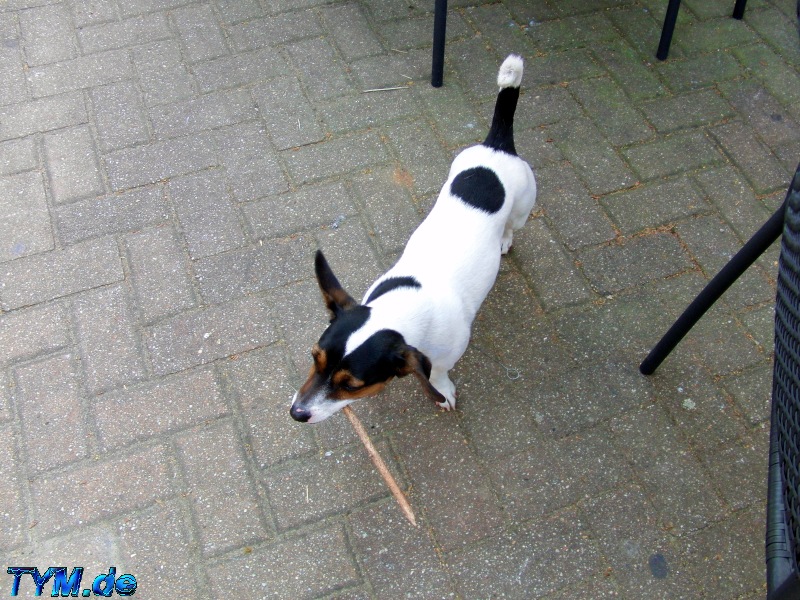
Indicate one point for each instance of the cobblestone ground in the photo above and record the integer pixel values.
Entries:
(168, 167)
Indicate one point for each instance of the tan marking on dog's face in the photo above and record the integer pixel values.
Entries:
(320, 358)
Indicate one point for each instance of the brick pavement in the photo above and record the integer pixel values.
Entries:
(167, 168)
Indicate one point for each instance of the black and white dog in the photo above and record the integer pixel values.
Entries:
(416, 318)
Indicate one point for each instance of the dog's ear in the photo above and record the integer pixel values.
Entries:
(413, 362)
(336, 299)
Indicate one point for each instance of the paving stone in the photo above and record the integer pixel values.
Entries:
(578, 218)
(455, 120)
(701, 72)
(705, 416)
(198, 338)
(322, 73)
(159, 274)
(321, 555)
(559, 67)
(731, 572)
(752, 392)
(445, 474)
(351, 32)
(5, 397)
(596, 162)
(103, 488)
(114, 213)
(284, 214)
(388, 203)
(200, 32)
(18, 155)
(42, 277)
(571, 32)
(255, 33)
(756, 161)
(110, 351)
(302, 316)
(672, 478)
(252, 166)
(210, 111)
(12, 71)
(91, 12)
(72, 164)
(737, 469)
(30, 332)
(631, 539)
(730, 194)
(119, 117)
(421, 154)
(687, 110)
(281, 103)
(654, 205)
(48, 396)
(558, 473)
(611, 111)
(390, 550)
(262, 384)
(762, 63)
(207, 232)
(544, 105)
(161, 73)
(313, 487)
(239, 69)
(679, 152)
(762, 112)
(637, 77)
(495, 24)
(128, 32)
(129, 8)
(223, 500)
(25, 228)
(254, 269)
(47, 35)
(40, 115)
(712, 245)
(133, 167)
(722, 344)
(583, 397)
(149, 540)
(14, 516)
(509, 564)
(773, 27)
(170, 404)
(616, 267)
(335, 157)
(79, 73)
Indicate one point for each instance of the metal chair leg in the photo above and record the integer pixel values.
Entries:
(666, 31)
(439, 29)
(755, 247)
(738, 9)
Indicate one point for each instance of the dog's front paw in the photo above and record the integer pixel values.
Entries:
(447, 389)
(450, 404)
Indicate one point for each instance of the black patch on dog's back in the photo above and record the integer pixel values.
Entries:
(392, 283)
(480, 188)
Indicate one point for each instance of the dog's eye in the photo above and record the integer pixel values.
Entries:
(350, 387)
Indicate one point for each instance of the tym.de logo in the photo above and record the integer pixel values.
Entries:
(104, 584)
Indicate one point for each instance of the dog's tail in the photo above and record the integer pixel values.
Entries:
(501, 133)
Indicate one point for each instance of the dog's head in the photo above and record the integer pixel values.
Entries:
(344, 372)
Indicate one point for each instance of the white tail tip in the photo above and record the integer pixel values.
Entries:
(510, 74)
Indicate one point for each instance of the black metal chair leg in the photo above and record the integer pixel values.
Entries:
(738, 9)
(755, 247)
(439, 29)
(666, 31)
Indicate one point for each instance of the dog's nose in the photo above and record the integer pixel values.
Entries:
(299, 413)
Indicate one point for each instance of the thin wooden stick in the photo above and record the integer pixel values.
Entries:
(380, 465)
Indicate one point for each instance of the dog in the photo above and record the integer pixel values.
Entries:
(416, 319)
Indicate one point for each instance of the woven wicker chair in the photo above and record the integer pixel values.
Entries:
(783, 494)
